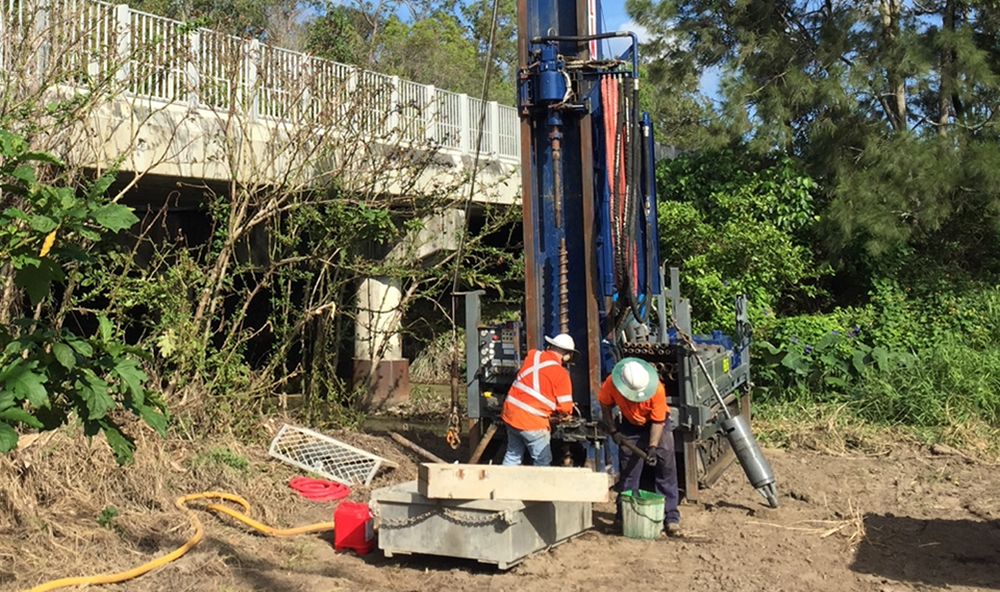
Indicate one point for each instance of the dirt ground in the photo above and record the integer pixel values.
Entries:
(905, 518)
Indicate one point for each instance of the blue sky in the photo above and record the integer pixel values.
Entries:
(616, 19)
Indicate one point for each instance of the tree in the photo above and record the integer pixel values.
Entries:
(430, 43)
(889, 106)
(332, 35)
(243, 18)
(431, 51)
(737, 225)
(50, 374)
(479, 16)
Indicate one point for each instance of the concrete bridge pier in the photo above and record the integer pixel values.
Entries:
(380, 369)
(379, 366)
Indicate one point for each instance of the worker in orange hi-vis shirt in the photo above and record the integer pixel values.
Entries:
(542, 389)
(636, 390)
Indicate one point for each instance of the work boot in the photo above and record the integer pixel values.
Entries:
(673, 530)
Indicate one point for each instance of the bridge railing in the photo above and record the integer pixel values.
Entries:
(165, 60)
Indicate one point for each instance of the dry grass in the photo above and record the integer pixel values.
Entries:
(851, 528)
(830, 430)
(53, 490)
(834, 430)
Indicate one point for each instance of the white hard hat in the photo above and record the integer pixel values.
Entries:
(635, 379)
(635, 376)
(564, 342)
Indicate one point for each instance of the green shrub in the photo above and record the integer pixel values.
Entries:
(817, 358)
(736, 228)
(53, 236)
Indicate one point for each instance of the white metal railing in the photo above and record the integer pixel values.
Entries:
(165, 60)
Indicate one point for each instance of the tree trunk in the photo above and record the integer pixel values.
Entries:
(889, 10)
(8, 295)
(947, 65)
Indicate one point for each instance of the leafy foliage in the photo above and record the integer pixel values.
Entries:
(949, 384)
(439, 43)
(820, 367)
(732, 230)
(49, 374)
(890, 107)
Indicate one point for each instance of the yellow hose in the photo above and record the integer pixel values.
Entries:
(198, 533)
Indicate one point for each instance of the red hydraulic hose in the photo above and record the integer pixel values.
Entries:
(319, 490)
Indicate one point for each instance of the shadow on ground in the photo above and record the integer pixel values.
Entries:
(934, 552)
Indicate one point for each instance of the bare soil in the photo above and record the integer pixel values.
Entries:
(904, 517)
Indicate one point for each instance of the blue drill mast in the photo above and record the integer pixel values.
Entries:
(591, 258)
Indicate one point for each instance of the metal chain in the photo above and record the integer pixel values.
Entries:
(688, 342)
(474, 519)
(403, 523)
(453, 437)
(467, 518)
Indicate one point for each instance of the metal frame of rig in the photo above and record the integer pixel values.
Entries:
(589, 221)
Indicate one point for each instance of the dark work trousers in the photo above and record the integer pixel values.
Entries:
(664, 473)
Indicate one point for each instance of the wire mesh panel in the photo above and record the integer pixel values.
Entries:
(312, 451)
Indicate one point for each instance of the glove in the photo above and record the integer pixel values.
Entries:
(617, 438)
(651, 456)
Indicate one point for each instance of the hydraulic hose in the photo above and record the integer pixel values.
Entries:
(319, 490)
(181, 504)
(634, 171)
(641, 310)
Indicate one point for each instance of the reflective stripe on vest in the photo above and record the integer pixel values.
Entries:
(534, 391)
(513, 401)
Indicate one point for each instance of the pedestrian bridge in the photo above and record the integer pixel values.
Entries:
(174, 101)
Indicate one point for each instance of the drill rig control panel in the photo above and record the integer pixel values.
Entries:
(501, 349)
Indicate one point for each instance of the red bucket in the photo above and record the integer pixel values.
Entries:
(353, 528)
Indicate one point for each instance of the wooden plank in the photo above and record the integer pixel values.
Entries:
(497, 482)
(421, 451)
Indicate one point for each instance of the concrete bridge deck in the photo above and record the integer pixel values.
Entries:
(182, 102)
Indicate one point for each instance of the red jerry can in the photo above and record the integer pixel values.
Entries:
(353, 528)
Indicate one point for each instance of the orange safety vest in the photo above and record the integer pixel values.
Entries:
(542, 387)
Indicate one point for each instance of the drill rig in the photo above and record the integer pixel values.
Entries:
(591, 260)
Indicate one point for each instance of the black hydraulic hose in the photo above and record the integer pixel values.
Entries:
(639, 210)
(649, 178)
(634, 171)
(629, 244)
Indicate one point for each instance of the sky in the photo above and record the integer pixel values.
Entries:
(616, 19)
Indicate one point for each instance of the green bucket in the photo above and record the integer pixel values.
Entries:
(642, 514)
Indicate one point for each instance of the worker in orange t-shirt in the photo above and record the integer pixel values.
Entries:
(636, 390)
(542, 389)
